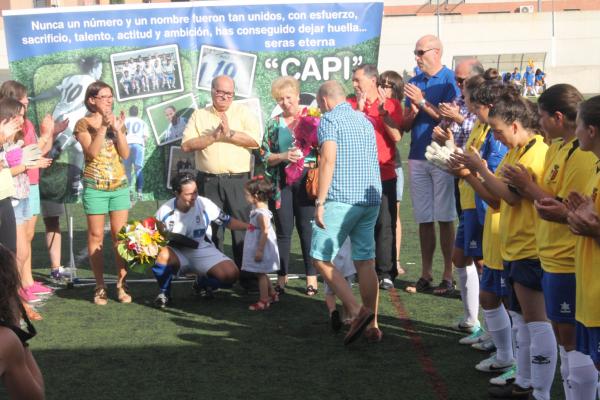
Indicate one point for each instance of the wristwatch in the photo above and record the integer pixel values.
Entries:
(319, 203)
(422, 103)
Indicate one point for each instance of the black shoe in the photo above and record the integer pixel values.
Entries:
(510, 391)
(336, 321)
(161, 300)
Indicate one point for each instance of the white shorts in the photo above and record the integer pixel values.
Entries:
(52, 209)
(198, 261)
(343, 262)
(432, 193)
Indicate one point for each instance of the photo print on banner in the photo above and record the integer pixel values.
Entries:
(179, 162)
(168, 119)
(153, 71)
(237, 65)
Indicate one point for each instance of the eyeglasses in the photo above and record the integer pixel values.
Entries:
(386, 85)
(110, 97)
(420, 53)
(460, 81)
(223, 94)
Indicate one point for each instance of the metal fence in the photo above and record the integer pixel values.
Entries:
(507, 62)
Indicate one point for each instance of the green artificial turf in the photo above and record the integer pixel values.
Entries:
(217, 349)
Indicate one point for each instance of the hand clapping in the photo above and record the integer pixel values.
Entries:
(582, 216)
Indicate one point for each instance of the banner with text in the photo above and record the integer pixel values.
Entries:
(161, 59)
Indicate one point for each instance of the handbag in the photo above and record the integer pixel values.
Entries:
(312, 182)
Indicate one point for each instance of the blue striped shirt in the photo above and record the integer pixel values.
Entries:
(356, 179)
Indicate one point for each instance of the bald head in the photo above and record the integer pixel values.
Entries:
(330, 94)
(222, 80)
(465, 69)
(428, 54)
(431, 41)
(468, 68)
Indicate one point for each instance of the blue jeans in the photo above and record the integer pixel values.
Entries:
(136, 159)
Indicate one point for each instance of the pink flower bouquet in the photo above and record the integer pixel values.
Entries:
(305, 135)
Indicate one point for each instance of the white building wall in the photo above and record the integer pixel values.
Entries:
(573, 56)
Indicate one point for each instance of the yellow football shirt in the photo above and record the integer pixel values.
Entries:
(567, 169)
(476, 139)
(587, 271)
(491, 240)
(517, 223)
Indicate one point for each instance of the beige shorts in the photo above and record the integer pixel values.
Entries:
(432, 193)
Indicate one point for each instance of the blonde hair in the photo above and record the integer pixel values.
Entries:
(284, 82)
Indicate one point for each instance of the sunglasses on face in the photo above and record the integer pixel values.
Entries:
(420, 53)
(386, 85)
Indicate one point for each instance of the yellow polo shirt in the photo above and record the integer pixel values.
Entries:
(517, 223)
(566, 169)
(476, 139)
(222, 158)
(587, 271)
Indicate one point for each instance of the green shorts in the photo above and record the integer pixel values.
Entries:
(104, 201)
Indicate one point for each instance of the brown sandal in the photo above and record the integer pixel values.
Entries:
(123, 294)
(100, 296)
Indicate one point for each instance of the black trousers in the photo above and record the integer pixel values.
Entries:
(227, 192)
(8, 226)
(296, 208)
(385, 232)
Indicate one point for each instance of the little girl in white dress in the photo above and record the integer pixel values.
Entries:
(261, 254)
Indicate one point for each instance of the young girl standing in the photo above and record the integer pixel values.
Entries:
(261, 254)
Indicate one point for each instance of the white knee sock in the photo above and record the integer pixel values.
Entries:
(543, 352)
(564, 373)
(468, 281)
(498, 325)
(583, 376)
(522, 344)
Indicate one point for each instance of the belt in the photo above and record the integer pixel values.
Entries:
(226, 174)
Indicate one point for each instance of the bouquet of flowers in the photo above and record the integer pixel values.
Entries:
(139, 243)
(305, 135)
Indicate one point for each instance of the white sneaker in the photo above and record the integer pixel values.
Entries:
(479, 335)
(505, 378)
(486, 345)
(492, 364)
(467, 327)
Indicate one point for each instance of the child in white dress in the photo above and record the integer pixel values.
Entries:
(261, 254)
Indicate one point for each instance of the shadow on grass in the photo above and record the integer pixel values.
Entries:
(200, 348)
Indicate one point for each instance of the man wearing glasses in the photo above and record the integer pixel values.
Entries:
(222, 135)
(432, 190)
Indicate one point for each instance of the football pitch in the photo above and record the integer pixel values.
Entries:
(217, 349)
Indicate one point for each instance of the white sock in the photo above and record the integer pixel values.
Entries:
(498, 326)
(468, 281)
(583, 376)
(543, 352)
(522, 344)
(564, 373)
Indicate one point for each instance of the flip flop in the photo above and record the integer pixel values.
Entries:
(422, 285)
